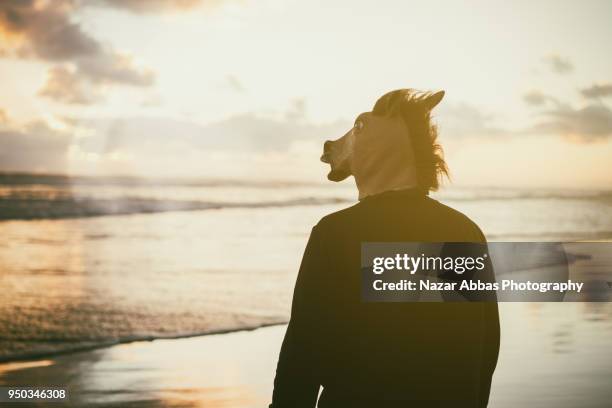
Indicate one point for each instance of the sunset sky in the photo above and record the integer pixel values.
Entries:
(250, 89)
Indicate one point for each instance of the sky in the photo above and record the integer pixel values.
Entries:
(250, 90)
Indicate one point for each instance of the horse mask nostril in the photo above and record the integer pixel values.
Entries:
(327, 146)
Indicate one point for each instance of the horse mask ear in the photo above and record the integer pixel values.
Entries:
(432, 100)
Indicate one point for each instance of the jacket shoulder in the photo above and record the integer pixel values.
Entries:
(337, 217)
(457, 219)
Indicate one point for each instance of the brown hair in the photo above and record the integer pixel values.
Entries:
(412, 107)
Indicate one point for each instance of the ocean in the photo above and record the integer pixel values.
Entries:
(86, 262)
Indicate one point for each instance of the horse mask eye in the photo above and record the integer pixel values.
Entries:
(358, 125)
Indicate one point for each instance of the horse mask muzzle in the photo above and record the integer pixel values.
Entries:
(337, 153)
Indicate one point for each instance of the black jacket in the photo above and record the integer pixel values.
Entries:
(383, 354)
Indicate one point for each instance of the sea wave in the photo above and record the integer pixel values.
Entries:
(49, 347)
(555, 236)
(31, 208)
(482, 194)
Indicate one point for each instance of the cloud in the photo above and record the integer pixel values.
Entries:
(535, 98)
(245, 132)
(64, 85)
(34, 147)
(152, 100)
(297, 110)
(86, 82)
(559, 64)
(44, 30)
(597, 91)
(462, 120)
(156, 6)
(242, 146)
(115, 68)
(588, 124)
(591, 123)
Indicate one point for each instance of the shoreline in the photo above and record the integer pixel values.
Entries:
(34, 356)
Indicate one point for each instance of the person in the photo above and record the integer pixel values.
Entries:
(378, 354)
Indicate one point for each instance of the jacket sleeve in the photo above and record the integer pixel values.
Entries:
(492, 332)
(297, 382)
(487, 303)
(490, 350)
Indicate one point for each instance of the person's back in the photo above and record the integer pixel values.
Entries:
(387, 354)
(383, 354)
